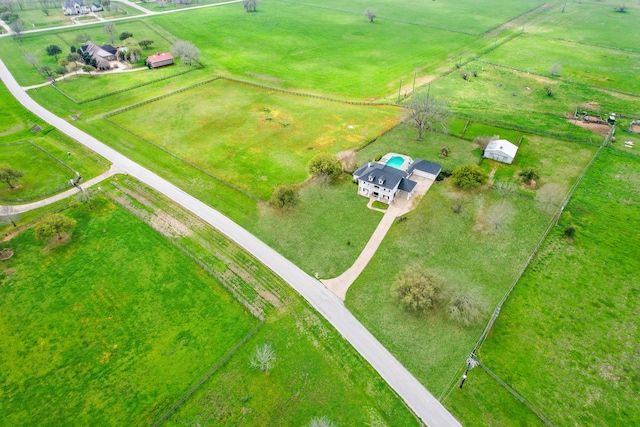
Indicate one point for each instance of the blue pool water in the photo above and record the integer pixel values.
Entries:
(395, 162)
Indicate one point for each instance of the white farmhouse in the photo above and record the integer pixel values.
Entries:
(501, 150)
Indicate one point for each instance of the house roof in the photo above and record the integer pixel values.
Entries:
(503, 146)
(159, 57)
(425, 166)
(112, 50)
(71, 4)
(382, 175)
(95, 51)
(407, 185)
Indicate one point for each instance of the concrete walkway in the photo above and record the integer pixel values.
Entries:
(400, 206)
(424, 405)
(18, 209)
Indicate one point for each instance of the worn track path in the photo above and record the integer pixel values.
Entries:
(428, 408)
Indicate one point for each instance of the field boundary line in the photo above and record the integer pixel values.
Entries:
(207, 375)
(621, 49)
(497, 27)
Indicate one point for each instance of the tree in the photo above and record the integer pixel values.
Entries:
(106, 4)
(44, 6)
(73, 57)
(82, 38)
(284, 197)
(18, 28)
(54, 50)
(109, 28)
(370, 13)
(46, 71)
(31, 59)
(263, 358)
(146, 43)
(8, 215)
(9, 175)
(250, 5)
(620, 8)
(465, 308)
(125, 35)
(325, 165)
(133, 50)
(569, 231)
(9, 17)
(61, 70)
(416, 290)
(88, 69)
(527, 175)
(54, 225)
(469, 176)
(186, 51)
(555, 69)
(427, 113)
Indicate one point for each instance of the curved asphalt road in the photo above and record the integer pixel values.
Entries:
(410, 390)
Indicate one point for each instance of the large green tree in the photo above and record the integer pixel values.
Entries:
(54, 50)
(54, 225)
(325, 165)
(469, 176)
(9, 175)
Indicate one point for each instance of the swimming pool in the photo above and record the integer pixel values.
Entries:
(395, 162)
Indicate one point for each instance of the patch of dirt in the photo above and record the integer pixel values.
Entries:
(58, 242)
(269, 297)
(593, 106)
(5, 254)
(265, 77)
(600, 129)
(530, 186)
(10, 271)
(167, 225)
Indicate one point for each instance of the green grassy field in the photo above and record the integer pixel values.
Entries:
(316, 372)
(590, 23)
(155, 7)
(481, 249)
(253, 138)
(567, 337)
(466, 15)
(511, 97)
(610, 68)
(31, 160)
(86, 343)
(13, 118)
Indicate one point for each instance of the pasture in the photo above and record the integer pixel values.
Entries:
(84, 342)
(254, 138)
(567, 338)
(480, 249)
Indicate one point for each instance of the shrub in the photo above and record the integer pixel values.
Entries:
(620, 8)
(465, 308)
(549, 91)
(325, 165)
(469, 176)
(416, 290)
(284, 197)
(569, 231)
(528, 174)
(125, 35)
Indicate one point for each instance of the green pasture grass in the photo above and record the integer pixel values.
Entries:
(35, 18)
(316, 372)
(13, 51)
(467, 251)
(154, 7)
(42, 174)
(593, 23)
(253, 138)
(13, 117)
(121, 11)
(507, 96)
(402, 139)
(83, 87)
(599, 66)
(325, 232)
(621, 137)
(340, 54)
(466, 15)
(84, 341)
(567, 336)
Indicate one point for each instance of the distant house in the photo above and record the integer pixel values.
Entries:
(159, 60)
(101, 54)
(77, 7)
(385, 183)
(501, 150)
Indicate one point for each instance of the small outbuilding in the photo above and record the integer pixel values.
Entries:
(159, 60)
(501, 150)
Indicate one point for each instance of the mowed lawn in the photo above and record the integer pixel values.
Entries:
(591, 23)
(41, 172)
(111, 327)
(567, 337)
(254, 138)
(480, 249)
(13, 117)
(314, 49)
(601, 66)
(465, 15)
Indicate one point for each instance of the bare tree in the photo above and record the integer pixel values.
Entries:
(321, 422)
(427, 113)
(555, 69)
(44, 6)
(250, 5)
(370, 13)
(263, 358)
(9, 175)
(186, 51)
(18, 28)
(109, 28)
(31, 59)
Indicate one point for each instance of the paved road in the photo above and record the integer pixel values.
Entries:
(410, 390)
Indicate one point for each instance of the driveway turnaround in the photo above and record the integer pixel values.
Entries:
(424, 405)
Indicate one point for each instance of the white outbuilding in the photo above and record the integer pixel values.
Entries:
(501, 150)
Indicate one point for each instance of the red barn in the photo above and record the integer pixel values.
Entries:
(159, 60)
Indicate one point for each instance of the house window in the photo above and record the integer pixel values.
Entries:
(370, 178)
